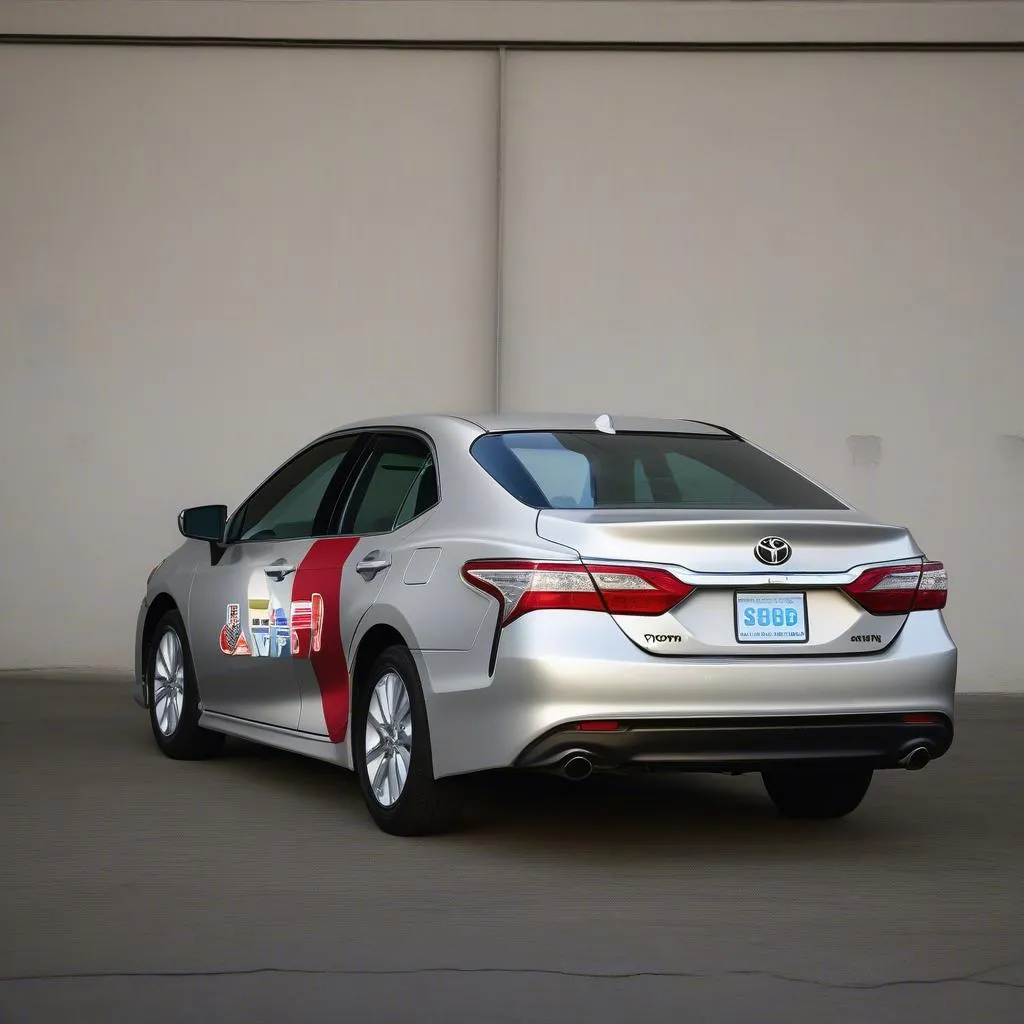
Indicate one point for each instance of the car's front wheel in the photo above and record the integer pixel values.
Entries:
(817, 792)
(391, 750)
(174, 695)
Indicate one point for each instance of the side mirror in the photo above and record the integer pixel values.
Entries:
(204, 522)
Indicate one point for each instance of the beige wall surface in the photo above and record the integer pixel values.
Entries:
(825, 251)
(512, 21)
(208, 257)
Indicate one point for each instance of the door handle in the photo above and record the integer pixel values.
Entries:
(373, 563)
(279, 570)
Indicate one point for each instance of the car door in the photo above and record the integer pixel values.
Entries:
(395, 482)
(239, 612)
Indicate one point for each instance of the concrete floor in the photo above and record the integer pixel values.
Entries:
(255, 888)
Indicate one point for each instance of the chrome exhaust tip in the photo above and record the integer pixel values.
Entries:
(916, 759)
(577, 767)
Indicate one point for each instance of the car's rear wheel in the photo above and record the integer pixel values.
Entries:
(174, 695)
(817, 792)
(391, 751)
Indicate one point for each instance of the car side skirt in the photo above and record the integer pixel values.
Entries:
(304, 743)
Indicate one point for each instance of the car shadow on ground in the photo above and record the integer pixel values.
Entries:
(609, 814)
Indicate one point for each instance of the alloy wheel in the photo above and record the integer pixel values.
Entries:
(168, 683)
(388, 738)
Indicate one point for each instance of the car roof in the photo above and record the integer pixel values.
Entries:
(498, 422)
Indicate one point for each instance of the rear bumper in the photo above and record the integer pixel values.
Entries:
(881, 741)
(557, 668)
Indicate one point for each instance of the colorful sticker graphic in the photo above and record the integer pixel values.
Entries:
(302, 624)
(307, 626)
(232, 639)
(274, 633)
(317, 610)
(311, 631)
(280, 634)
(259, 614)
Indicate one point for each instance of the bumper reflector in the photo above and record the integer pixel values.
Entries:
(920, 719)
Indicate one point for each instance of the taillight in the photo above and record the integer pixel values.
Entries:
(899, 589)
(633, 591)
(522, 587)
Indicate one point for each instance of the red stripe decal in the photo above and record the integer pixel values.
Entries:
(318, 581)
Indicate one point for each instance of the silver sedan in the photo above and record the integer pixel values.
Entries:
(425, 597)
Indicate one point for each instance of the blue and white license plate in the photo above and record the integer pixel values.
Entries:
(771, 618)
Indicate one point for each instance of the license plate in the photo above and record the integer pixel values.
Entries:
(771, 618)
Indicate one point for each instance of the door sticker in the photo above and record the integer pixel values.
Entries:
(302, 621)
(307, 626)
(232, 639)
(300, 618)
(259, 614)
(274, 633)
(280, 634)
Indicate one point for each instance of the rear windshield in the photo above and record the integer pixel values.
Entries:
(588, 469)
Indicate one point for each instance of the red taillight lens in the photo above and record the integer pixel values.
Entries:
(899, 589)
(635, 591)
(523, 587)
(934, 588)
(598, 726)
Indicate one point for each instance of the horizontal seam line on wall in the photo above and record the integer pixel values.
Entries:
(234, 42)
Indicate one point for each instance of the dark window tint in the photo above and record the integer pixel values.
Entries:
(584, 469)
(398, 483)
(286, 506)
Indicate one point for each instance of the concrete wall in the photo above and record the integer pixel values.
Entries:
(824, 251)
(209, 255)
(207, 258)
(516, 22)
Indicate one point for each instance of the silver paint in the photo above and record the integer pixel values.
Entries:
(421, 566)
(261, 688)
(478, 723)
(556, 666)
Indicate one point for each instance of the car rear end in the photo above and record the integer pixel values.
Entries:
(713, 610)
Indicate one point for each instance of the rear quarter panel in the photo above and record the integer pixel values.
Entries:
(425, 597)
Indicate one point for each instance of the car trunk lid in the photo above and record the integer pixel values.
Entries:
(742, 606)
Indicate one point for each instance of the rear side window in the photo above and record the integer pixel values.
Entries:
(589, 469)
(398, 483)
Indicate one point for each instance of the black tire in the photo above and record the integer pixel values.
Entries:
(817, 792)
(186, 741)
(425, 806)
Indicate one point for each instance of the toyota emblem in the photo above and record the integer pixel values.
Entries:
(772, 551)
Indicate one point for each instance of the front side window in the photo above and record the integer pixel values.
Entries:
(286, 506)
(397, 483)
(589, 469)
